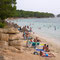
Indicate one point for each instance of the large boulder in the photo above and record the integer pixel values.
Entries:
(11, 30)
(13, 49)
(2, 57)
(15, 43)
(14, 37)
(1, 30)
(3, 44)
(4, 37)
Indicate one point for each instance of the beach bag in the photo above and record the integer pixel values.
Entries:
(35, 53)
(37, 43)
(33, 44)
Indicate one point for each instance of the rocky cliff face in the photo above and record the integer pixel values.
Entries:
(9, 38)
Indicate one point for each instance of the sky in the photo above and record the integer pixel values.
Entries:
(51, 6)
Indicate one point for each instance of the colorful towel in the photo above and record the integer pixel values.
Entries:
(25, 41)
(41, 44)
(39, 50)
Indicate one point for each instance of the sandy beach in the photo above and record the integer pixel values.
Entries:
(27, 53)
(55, 49)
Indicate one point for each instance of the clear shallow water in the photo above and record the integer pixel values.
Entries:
(47, 27)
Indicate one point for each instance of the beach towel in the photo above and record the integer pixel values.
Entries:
(41, 44)
(25, 41)
(39, 50)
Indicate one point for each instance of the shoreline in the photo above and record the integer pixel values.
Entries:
(46, 40)
(53, 47)
(24, 18)
(41, 37)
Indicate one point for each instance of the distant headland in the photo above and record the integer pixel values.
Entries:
(31, 14)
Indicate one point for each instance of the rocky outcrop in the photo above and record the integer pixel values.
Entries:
(4, 37)
(11, 30)
(9, 39)
(15, 43)
(3, 43)
(14, 37)
(2, 57)
(9, 34)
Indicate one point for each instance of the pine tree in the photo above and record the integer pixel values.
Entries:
(7, 8)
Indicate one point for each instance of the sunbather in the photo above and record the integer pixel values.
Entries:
(46, 54)
(47, 49)
(31, 40)
(44, 47)
(35, 40)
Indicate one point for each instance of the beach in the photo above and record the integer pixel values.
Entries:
(26, 53)
(53, 49)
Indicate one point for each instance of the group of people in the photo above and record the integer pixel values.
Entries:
(26, 28)
(46, 48)
(26, 35)
(46, 52)
(26, 32)
(35, 42)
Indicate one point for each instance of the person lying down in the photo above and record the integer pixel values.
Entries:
(43, 54)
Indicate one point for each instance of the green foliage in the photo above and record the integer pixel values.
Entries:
(6, 9)
(26, 14)
(58, 15)
(2, 25)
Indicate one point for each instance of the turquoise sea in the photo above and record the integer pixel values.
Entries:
(47, 27)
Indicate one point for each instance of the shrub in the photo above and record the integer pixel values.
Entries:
(2, 25)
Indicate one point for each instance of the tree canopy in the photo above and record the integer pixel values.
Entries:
(6, 8)
(26, 14)
(58, 15)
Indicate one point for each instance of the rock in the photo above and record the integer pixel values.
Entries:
(3, 44)
(13, 49)
(4, 37)
(1, 30)
(15, 43)
(2, 57)
(18, 47)
(14, 37)
(11, 31)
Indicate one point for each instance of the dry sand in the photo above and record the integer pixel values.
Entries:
(55, 49)
(27, 53)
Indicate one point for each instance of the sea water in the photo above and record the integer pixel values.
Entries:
(47, 27)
